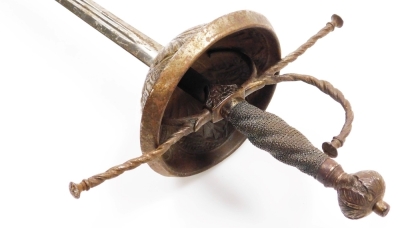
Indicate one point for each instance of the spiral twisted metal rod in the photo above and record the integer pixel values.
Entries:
(336, 21)
(86, 184)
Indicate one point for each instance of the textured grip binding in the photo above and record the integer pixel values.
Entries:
(269, 132)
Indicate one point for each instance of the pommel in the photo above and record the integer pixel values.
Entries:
(358, 194)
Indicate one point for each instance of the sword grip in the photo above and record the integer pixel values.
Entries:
(358, 194)
(270, 133)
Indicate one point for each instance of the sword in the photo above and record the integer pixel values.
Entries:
(228, 102)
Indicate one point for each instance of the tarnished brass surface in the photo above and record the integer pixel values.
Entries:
(358, 194)
(218, 52)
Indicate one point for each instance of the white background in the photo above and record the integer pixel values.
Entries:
(70, 108)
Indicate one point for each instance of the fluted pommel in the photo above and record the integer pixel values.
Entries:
(361, 193)
(358, 194)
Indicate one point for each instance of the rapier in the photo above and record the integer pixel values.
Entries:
(205, 94)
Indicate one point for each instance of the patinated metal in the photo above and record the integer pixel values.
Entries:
(206, 93)
(358, 194)
(212, 51)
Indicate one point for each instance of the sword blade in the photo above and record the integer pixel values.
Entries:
(133, 41)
